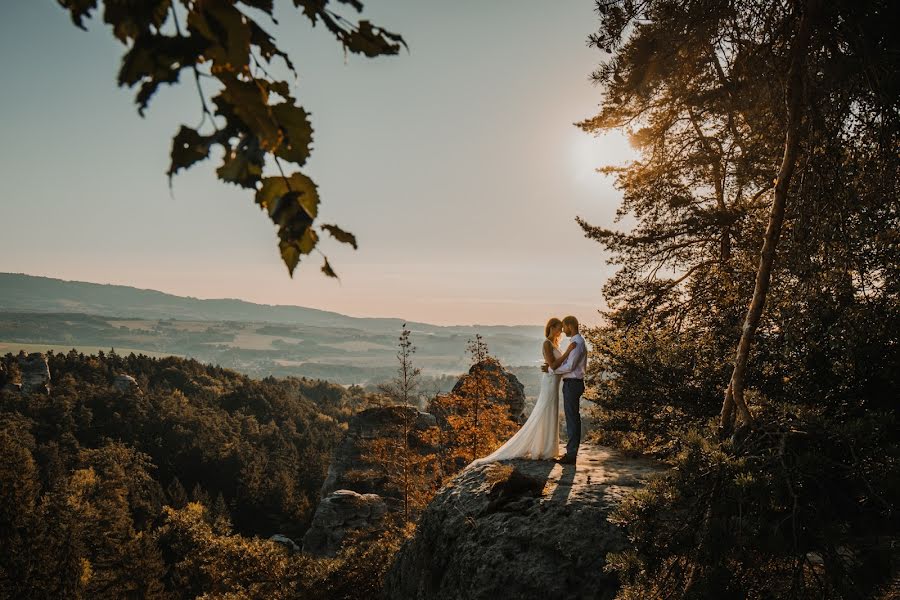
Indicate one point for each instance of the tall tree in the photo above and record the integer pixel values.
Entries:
(252, 115)
(724, 100)
(474, 418)
(402, 458)
(766, 200)
(794, 107)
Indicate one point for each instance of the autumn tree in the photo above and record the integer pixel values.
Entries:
(19, 515)
(474, 418)
(246, 109)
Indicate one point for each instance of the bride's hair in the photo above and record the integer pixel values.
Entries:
(550, 325)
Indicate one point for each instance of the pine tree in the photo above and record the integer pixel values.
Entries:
(221, 516)
(198, 494)
(402, 459)
(178, 497)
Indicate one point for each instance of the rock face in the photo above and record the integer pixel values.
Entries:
(35, 373)
(370, 424)
(126, 383)
(337, 514)
(501, 380)
(351, 502)
(521, 529)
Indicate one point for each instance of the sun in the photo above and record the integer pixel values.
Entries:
(589, 152)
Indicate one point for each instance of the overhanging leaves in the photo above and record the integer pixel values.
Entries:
(252, 115)
(341, 235)
(188, 147)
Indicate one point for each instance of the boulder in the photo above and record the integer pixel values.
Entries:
(370, 424)
(512, 390)
(521, 529)
(125, 383)
(337, 514)
(35, 373)
(354, 498)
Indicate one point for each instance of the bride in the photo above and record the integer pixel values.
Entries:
(539, 436)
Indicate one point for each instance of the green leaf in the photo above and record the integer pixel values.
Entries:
(274, 188)
(372, 41)
(132, 19)
(292, 250)
(154, 59)
(266, 44)
(290, 254)
(297, 130)
(242, 164)
(292, 204)
(248, 102)
(341, 235)
(188, 147)
(227, 30)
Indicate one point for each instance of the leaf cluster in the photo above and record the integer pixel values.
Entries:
(252, 117)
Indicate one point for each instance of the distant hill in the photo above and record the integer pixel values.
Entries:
(41, 313)
(20, 292)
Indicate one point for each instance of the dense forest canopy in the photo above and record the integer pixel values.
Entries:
(763, 262)
(90, 469)
(132, 476)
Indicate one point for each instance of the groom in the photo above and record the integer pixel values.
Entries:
(572, 371)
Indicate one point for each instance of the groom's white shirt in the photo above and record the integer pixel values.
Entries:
(576, 363)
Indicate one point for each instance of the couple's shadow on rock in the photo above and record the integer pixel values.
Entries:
(518, 484)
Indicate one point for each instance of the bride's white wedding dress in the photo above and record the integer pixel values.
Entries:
(539, 436)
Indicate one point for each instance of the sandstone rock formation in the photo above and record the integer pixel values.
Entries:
(501, 380)
(370, 424)
(35, 373)
(125, 383)
(520, 529)
(354, 499)
(339, 513)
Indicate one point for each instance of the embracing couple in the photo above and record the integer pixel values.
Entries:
(539, 436)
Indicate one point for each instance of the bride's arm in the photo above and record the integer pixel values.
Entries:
(555, 362)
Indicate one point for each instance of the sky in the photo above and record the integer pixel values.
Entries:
(456, 164)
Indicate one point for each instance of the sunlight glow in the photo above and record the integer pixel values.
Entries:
(588, 153)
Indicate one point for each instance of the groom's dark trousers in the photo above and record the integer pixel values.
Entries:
(572, 391)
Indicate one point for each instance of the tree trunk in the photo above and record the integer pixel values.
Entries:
(734, 394)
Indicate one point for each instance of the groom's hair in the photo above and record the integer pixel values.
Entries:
(571, 321)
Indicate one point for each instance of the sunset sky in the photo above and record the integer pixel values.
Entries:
(455, 164)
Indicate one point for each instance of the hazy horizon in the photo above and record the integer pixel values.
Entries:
(455, 164)
(363, 316)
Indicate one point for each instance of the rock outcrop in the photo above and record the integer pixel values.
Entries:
(521, 529)
(126, 383)
(339, 513)
(34, 373)
(371, 424)
(512, 390)
(354, 496)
